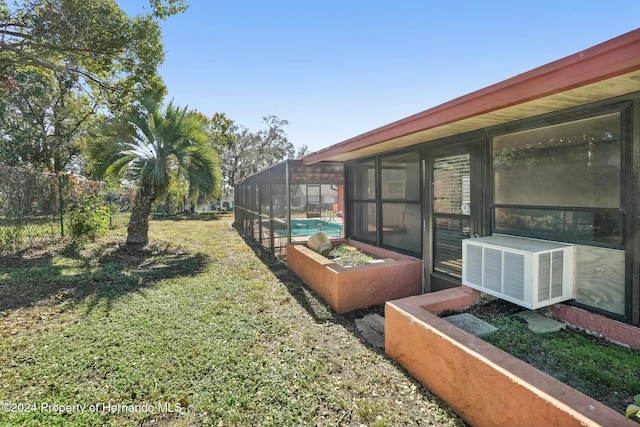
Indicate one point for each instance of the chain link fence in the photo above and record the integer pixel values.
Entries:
(32, 205)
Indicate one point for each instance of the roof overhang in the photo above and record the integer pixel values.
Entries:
(603, 71)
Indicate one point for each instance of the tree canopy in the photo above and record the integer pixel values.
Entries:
(244, 152)
(92, 40)
(43, 121)
(67, 65)
(65, 62)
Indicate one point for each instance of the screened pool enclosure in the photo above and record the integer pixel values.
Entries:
(314, 202)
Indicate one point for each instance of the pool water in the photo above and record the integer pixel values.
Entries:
(307, 227)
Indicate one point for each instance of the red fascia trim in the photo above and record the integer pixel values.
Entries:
(609, 59)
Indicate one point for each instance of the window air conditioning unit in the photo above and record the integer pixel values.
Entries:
(528, 272)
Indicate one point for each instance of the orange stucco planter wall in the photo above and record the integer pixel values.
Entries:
(597, 325)
(483, 384)
(352, 288)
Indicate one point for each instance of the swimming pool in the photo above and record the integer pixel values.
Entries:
(307, 227)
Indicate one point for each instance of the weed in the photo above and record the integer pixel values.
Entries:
(633, 410)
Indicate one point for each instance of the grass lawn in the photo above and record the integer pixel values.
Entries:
(197, 330)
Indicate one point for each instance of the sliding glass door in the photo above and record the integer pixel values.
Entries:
(451, 216)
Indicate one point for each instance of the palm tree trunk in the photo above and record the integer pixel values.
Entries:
(138, 229)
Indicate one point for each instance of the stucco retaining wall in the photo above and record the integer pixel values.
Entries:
(597, 325)
(350, 288)
(483, 384)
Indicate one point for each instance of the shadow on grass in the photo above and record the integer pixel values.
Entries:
(306, 298)
(98, 276)
(321, 312)
(198, 216)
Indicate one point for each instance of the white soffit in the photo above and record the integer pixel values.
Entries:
(616, 86)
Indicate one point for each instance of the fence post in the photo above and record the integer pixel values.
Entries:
(61, 204)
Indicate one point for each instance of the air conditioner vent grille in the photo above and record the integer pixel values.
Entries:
(544, 273)
(492, 269)
(556, 274)
(475, 264)
(514, 275)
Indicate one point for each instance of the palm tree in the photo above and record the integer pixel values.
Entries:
(154, 148)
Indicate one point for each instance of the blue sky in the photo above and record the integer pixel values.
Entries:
(336, 69)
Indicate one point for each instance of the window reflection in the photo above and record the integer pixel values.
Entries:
(365, 221)
(562, 181)
(401, 226)
(401, 177)
(452, 185)
(599, 226)
(401, 207)
(365, 180)
(574, 164)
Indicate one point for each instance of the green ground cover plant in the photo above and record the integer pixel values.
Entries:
(201, 327)
(603, 370)
(349, 256)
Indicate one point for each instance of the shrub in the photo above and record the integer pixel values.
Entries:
(89, 218)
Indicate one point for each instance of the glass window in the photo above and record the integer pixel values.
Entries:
(401, 177)
(447, 235)
(599, 225)
(576, 164)
(401, 226)
(365, 180)
(397, 200)
(365, 220)
(452, 185)
(561, 182)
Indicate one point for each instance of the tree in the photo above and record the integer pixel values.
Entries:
(43, 121)
(93, 40)
(64, 61)
(154, 148)
(221, 129)
(243, 152)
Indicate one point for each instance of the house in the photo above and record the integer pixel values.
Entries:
(528, 189)
(551, 154)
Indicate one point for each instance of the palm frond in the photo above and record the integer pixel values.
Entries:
(156, 147)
